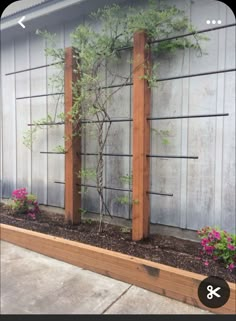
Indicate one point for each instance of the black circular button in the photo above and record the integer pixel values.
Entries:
(213, 292)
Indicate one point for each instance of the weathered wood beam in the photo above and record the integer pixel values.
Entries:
(172, 282)
(72, 146)
(141, 137)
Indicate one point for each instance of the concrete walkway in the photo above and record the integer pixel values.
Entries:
(32, 283)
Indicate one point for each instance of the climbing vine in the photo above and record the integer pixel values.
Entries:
(96, 51)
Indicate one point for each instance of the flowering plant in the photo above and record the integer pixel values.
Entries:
(24, 203)
(218, 244)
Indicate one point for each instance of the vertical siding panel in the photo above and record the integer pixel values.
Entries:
(22, 113)
(1, 145)
(23, 153)
(56, 162)
(39, 161)
(184, 132)
(219, 121)
(90, 198)
(56, 171)
(201, 140)
(166, 173)
(170, 98)
(38, 111)
(8, 114)
(118, 139)
(228, 179)
(228, 220)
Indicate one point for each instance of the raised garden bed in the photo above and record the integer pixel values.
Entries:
(178, 275)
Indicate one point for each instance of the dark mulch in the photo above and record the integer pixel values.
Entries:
(172, 251)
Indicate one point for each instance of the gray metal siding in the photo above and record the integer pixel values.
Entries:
(9, 120)
(204, 189)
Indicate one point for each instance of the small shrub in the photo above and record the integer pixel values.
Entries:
(24, 203)
(219, 245)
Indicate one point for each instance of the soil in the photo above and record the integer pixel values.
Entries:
(169, 250)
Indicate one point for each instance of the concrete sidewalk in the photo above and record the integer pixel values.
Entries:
(32, 283)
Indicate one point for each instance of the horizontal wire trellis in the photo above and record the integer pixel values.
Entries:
(130, 119)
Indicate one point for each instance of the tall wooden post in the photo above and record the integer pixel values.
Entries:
(72, 146)
(141, 137)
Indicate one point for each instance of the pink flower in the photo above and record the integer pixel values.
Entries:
(20, 193)
(230, 247)
(229, 239)
(204, 241)
(209, 249)
(217, 235)
(31, 215)
(206, 263)
(231, 266)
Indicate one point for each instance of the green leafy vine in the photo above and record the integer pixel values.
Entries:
(97, 50)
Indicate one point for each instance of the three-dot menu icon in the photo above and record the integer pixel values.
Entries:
(208, 22)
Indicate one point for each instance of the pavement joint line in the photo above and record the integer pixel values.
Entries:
(118, 298)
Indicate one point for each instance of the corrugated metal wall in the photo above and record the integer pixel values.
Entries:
(204, 189)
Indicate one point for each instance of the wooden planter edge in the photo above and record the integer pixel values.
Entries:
(172, 282)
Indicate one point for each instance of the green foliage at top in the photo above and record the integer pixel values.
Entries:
(94, 48)
(97, 50)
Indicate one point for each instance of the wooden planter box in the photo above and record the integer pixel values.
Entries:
(162, 279)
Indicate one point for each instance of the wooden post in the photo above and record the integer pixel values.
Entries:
(141, 137)
(72, 146)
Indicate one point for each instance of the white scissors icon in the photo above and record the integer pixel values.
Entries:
(212, 292)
